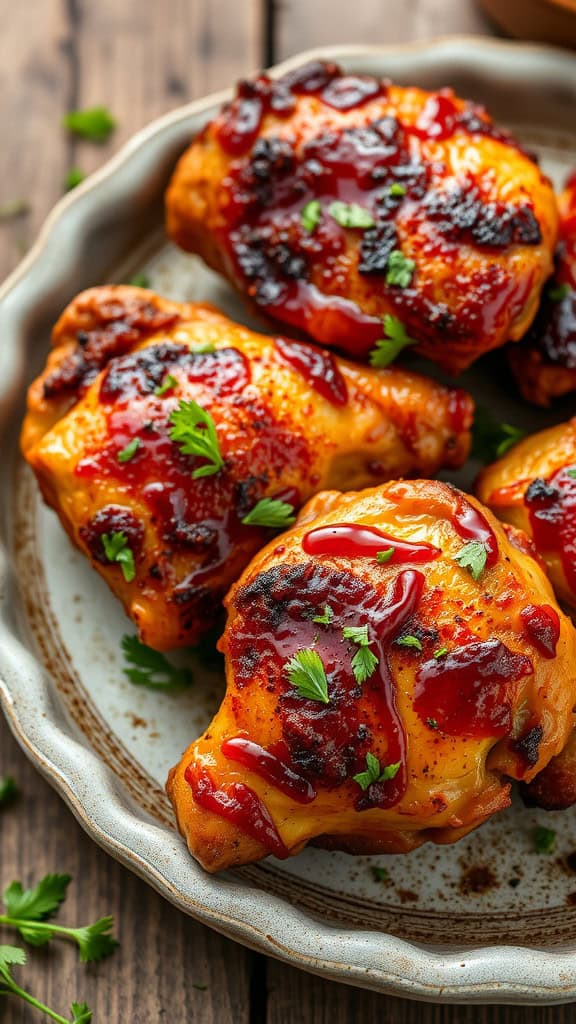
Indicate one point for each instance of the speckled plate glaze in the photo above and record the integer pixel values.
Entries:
(487, 920)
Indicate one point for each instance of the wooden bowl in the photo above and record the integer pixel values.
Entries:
(544, 21)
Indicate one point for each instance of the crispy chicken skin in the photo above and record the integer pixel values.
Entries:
(554, 788)
(544, 364)
(290, 419)
(455, 234)
(473, 684)
(533, 487)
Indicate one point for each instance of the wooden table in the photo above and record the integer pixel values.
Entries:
(141, 58)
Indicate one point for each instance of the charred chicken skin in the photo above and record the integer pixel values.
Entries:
(391, 662)
(533, 487)
(544, 364)
(335, 201)
(158, 431)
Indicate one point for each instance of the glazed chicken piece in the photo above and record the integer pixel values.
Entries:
(334, 200)
(544, 364)
(169, 499)
(533, 487)
(391, 663)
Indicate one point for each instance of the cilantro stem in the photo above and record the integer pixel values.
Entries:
(41, 926)
(12, 988)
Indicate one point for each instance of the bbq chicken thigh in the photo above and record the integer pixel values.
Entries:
(172, 442)
(533, 487)
(392, 662)
(342, 204)
(544, 364)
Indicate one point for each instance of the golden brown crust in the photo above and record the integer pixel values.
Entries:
(289, 419)
(473, 683)
(443, 187)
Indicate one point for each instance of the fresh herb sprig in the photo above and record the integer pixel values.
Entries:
(364, 661)
(270, 512)
(544, 839)
(388, 348)
(473, 557)
(399, 269)
(14, 956)
(306, 673)
(94, 123)
(117, 549)
(8, 790)
(29, 911)
(374, 773)
(194, 432)
(310, 215)
(147, 667)
(490, 438)
(351, 215)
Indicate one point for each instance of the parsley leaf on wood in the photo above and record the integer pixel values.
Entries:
(8, 790)
(307, 675)
(147, 667)
(13, 956)
(374, 773)
(73, 178)
(350, 215)
(473, 557)
(270, 512)
(116, 549)
(95, 123)
(194, 432)
(388, 348)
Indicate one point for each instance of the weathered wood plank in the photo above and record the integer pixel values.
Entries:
(163, 954)
(300, 25)
(34, 84)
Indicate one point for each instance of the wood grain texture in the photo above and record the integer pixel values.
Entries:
(142, 57)
(300, 25)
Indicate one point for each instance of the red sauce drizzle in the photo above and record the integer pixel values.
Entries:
(268, 766)
(468, 692)
(328, 318)
(354, 541)
(552, 509)
(317, 367)
(239, 805)
(439, 118)
(326, 743)
(542, 625)
(471, 525)
(351, 91)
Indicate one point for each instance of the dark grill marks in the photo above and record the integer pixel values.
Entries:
(461, 214)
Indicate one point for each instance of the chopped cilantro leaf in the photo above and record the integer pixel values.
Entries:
(194, 432)
(117, 550)
(350, 215)
(396, 189)
(388, 348)
(409, 641)
(326, 617)
(399, 269)
(270, 512)
(168, 384)
(306, 673)
(129, 451)
(147, 667)
(544, 839)
(374, 773)
(311, 214)
(473, 557)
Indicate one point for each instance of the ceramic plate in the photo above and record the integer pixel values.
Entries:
(448, 922)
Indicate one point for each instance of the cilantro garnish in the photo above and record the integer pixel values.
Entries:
(8, 790)
(558, 292)
(73, 178)
(117, 550)
(270, 512)
(409, 641)
(350, 215)
(379, 874)
(139, 280)
(130, 450)
(307, 675)
(95, 123)
(473, 557)
(490, 438)
(544, 839)
(168, 384)
(147, 667)
(310, 215)
(440, 652)
(384, 556)
(386, 349)
(364, 661)
(29, 911)
(431, 723)
(326, 617)
(194, 432)
(374, 773)
(571, 473)
(396, 189)
(399, 269)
